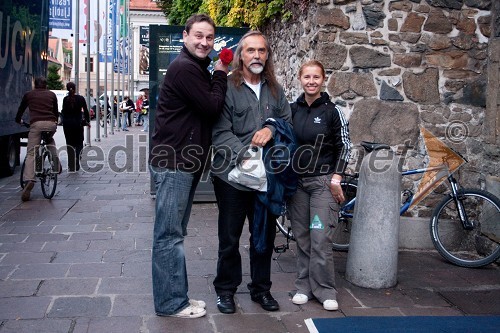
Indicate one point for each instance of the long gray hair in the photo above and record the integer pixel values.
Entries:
(267, 73)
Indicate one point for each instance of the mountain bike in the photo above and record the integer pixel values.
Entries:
(464, 226)
(45, 168)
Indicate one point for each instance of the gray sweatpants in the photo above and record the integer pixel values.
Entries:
(313, 214)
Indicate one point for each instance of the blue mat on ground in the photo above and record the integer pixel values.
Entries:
(447, 324)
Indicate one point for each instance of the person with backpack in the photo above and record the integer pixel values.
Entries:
(322, 136)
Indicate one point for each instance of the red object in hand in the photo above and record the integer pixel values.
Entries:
(226, 56)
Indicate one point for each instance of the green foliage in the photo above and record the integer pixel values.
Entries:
(54, 79)
(227, 13)
(181, 10)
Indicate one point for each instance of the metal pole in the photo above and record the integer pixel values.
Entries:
(98, 78)
(76, 56)
(124, 58)
(106, 43)
(113, 40)
(88, 67)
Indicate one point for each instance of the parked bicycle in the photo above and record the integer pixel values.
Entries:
(45, 168)
(464, 226)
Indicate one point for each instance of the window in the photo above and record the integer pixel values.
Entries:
(91, 65)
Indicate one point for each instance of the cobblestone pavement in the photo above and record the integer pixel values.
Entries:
(81, 262)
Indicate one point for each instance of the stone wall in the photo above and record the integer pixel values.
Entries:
(396, 66)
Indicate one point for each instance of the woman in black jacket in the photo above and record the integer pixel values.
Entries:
(75, 116)
(323, 139)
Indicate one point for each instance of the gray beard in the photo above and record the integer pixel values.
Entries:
(256, 70)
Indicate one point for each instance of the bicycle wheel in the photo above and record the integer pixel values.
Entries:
(48, 177)
(473, 247)
(21, 176)
(342, 232)
(284, 226)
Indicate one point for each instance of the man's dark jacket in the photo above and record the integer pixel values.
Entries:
(281, 180)
(190, 100)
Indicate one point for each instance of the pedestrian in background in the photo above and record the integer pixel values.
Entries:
(75, 117)
(145, 113)
(253, 96)
(190, 100)
(126, 108)
(138, 109)
(314, 207)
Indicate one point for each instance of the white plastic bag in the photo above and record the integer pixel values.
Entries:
(251, 172)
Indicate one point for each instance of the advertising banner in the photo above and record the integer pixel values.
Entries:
(121, 25)
(60, 14)
(106, 41)
(144, 50)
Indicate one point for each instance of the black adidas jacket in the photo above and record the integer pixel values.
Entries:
(322, 134)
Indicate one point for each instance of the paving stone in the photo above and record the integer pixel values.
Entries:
(68, 245)
(95, 270)
(46, 237)
(38, 326)
(111, 244)
(27, 258)
(126, 256)
(157, 324)
(12, 238)
(124, 285)
(5, 271)
(40, 271)
(133, 305)
(137, 269)
(17, 288)
(21, 247)
(110, 325)
(73, 228)
(23, 307)
(64, 286)
(254, 323)
(78, 257)
(31, 230)
(475, 302)
(70, 307)
(91, 235)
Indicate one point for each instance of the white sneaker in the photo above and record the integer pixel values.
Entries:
(330, 305)
(200, 304)
(190, 312)
(300, 299)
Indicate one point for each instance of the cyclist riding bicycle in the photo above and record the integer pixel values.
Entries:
(43, 116)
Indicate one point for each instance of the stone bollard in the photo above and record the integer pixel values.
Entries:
(372, 261)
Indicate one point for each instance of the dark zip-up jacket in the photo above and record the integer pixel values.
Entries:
(243, 115)
(190, 100)
(322, 134)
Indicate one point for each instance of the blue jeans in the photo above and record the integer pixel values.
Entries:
(174, 198)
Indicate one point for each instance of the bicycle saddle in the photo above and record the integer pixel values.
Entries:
(371, 146)
(46, 135)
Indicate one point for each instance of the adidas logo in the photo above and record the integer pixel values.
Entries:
(317, 120)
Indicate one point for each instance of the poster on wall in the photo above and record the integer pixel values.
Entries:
(144, 50)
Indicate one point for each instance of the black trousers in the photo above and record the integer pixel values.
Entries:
(74, 142)
(234, 206)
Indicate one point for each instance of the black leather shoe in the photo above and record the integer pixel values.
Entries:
(267, 301)
(225, 304)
